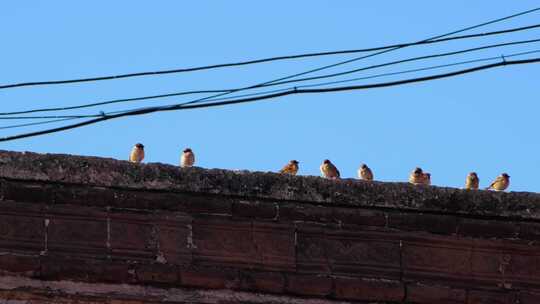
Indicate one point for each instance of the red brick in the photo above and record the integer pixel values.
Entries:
(488, 228)
(529, 298)
(29, 192)
(304, 212)
(157, 273)
(368, 254)
(132, 236)
(529, 231)
(272, 282)
(212, 278)
(510, 267)
(174, 237)
(81, 230)
(204, 204)
(361, 217)
(433, 223)
(489, 297)
(420, 293)
(223, 242)
(87, 270)
(309, 285)
(254, 209)
(436, 260)
(22, 233)
(84, 195)
(25, 265)
(275, 245)
(369, 289)
(312, 249)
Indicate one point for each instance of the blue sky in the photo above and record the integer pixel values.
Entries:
(485, 122)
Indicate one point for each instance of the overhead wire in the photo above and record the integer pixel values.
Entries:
(114, 101)
(176, 107)
(277, 58)
(192, 104)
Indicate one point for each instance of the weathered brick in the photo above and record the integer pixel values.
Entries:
(20, 264)
(204, 204)
(506, 267)
(272, 282)
(359, 217)
(81, 230)
(84, 195)
(224, 242)
(312, 249)
(212, 278)
(432, 223)
(29, 192)
(428, 294)
(156, 274)
(22, 233)
(369, 254)
(309, 285)
(87, 270)
(529, 298)
(304, 212)
(529, 231)
(174, 237)
(490, 297)
(254, 209)
(275, 245)
(436, 259)
(488, 228)
(132, 235)
(369, 289)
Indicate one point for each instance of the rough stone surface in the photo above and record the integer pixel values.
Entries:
(92, 230)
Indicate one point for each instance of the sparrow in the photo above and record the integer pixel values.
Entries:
(187, 159)
(290, 168)
(500, 183)
(137, 153)
(417, 176)
(472, 181)
(427, 178)
(328, 170)
(364, 173)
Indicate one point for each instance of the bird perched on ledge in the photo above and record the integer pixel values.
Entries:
(500, 183)
(290, 168)
(427, 178)
(187, 159)
(328, 170)
(472, 181)
(137, 153)
(364, 173)
(417, 177)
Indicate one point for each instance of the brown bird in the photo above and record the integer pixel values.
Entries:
(427, 178)
(472, 181)
(500, 183)
(187, 159)
(290, 168)
(364, 173)
(417, 176)
(328, 170)
(137, 153)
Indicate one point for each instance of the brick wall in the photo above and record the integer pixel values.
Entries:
(93, 230)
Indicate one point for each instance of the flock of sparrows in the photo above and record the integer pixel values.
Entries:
(329, 170)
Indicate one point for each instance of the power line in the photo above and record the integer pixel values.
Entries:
(271, 96)
(270, 84)
(406, 60)
(287, 57)
(366, 56)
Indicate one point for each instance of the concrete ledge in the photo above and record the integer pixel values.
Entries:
(106, 172)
